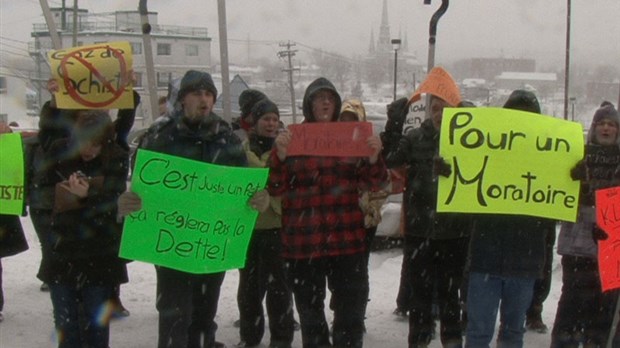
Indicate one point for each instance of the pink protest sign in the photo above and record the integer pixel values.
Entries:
(339, 139)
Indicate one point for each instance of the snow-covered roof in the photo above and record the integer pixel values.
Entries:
(513, 75)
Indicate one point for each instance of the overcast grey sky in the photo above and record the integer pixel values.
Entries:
(470, 28)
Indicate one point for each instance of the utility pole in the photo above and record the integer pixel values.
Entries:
(567, 59)
(290, 54)
(148, 62)
(75, 16)
(51, 25)
(221, 17)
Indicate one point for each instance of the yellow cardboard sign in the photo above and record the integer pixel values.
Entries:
(94, 76)
(509, 162)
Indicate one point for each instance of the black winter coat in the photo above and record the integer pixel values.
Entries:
(212, 141)
(416, 150)
(85, 241)
(509, 245)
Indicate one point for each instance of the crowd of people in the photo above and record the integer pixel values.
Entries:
(317, 218)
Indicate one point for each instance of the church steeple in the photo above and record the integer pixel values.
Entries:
(371, 46)
(383, 44)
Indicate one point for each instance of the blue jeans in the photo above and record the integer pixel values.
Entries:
(486, 295)
(81, 316)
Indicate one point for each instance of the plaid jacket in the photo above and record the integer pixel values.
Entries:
(321, 215)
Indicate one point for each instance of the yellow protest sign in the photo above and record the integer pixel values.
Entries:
(94, 76)
(509, 162)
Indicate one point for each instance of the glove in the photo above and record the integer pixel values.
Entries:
(441, 167)
(128, 202)
(260, 200)
(598, 233)
(578, 172)
(397, 113)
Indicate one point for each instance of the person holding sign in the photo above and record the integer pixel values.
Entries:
(323, 232)
(507, 255)
(12, 239)
(55, 124)
(264, 272)
(186, 302)
(370, 201)
(87, 173)
(435, 248)
(584, 313)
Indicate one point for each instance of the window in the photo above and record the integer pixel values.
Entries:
(138, 82)
(2, 84)
(136, 48)
(191, 50)
(163, 79)
(163, 49)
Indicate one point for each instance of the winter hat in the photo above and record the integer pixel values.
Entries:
(263, 107)
(94, 126)
(523, 100)
(196, 80)
(247, 99)
(355, 107)
(606, 112)
(440, 84)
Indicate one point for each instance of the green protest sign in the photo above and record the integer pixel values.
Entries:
(195, 216)
(509, 162)
(11, 174)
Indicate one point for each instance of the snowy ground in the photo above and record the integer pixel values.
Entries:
(28, 312)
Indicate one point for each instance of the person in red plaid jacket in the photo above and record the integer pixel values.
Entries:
(323, 232)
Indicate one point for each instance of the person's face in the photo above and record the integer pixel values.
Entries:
(437, 105)
(197, 104)
(605, 132)
(89, 150)
(323, 106)
(267, 125)
(347, 117)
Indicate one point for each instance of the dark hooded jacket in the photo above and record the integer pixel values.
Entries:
(85, 240)
(319, 84)
(510, 245)
(211, 141)
(321, 215)
(416, 150)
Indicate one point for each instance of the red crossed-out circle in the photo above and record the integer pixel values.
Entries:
(74, 93)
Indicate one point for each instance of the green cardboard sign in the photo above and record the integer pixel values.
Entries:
(11, 174)
(509, 162)
(195, 216)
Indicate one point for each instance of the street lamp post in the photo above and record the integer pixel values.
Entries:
(396, 46)
(572, 102)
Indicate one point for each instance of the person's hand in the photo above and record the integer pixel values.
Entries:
(128, 202)
(282, 141)
(578, 172)
(441, 167)
(598, 233)
(53, 86)
(129, 78)
(397, 114)
(77, 184)
(259, 200)
(374, 142)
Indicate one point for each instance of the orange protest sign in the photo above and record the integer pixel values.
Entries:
(608, 219)
(339, 139)
(438, 83)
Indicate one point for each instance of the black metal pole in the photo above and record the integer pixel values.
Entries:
(395, 70)
(567, 64)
